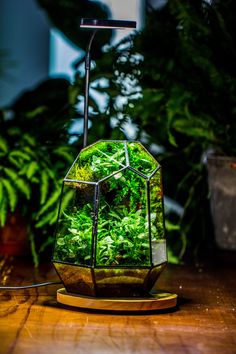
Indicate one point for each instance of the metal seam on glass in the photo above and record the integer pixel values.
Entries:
(94, 280)
(153, 173)
(110, 157)
(122, 266)
(104, 266)
(126, 154)
(78, 181)
(113, 174)
(72, 264)
(137, 172)
(149, 220)
(58, 215)
(71, 167)
(95, 223)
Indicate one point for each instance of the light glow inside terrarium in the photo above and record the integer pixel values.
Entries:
(110, 237)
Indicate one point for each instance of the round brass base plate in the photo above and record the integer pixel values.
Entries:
(156, 301)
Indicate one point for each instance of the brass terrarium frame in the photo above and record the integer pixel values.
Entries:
(110, 243)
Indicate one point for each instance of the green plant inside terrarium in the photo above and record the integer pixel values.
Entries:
(114, 209)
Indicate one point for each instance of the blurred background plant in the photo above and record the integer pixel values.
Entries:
(36, 140)
(171, 85)
(34, 151)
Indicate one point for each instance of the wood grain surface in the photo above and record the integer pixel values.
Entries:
(31, 321)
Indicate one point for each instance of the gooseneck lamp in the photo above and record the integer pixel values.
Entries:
(95, 25)
(110, 245)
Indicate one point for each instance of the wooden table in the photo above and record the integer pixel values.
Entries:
(31, 321)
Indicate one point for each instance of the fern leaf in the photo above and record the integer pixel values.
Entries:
(14, 131)
(21, 184)
(47, 219)
(37, 111)
(1, 191)
(23, 187)
(32, 168)
(10, 173)
(54, 215)
(66, 199)
(51, 173)
(3, 211)
(23, 170)
(52, 200)
(44, 185)
(65, 153)
(30, 152)
(29, 139)
(12, 194)
(3, 145)
(35, 179)
(171, 139)
(20, 155)
(15, 161)
(47, 243)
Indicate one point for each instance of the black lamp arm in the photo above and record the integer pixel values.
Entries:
(97, 24)
(86, 94)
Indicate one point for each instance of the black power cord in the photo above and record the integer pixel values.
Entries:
(29, 286)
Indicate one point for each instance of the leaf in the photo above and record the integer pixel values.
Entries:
(20, 155)
(172, 258)
(170, 226)
(53, 199)
(3, 211)
(23, 187)
(48, 219)
(31, 169)
(29, 139)
(171, 139)
(65, 153)
(44, 186)
(1, 191)
(52, 173)
(195, 127)
(36, 111)
(12, 195)
(47, 243)
(10, 173)
(3, 145)
(14, 131)
(15, 161)
(21, 184)
(66, 199)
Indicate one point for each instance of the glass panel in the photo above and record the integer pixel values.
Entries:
(140, 159)
(156, 220)
(98, 161)
(76, 279)
(122, 230)
(153, 276)
(74, 230)
(120, 282)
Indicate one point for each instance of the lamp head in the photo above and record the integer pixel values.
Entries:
(106, 24)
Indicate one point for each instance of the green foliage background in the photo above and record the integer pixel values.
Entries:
(178, 86)
(177, 82)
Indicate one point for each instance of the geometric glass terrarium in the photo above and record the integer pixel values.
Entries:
(110, 239)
